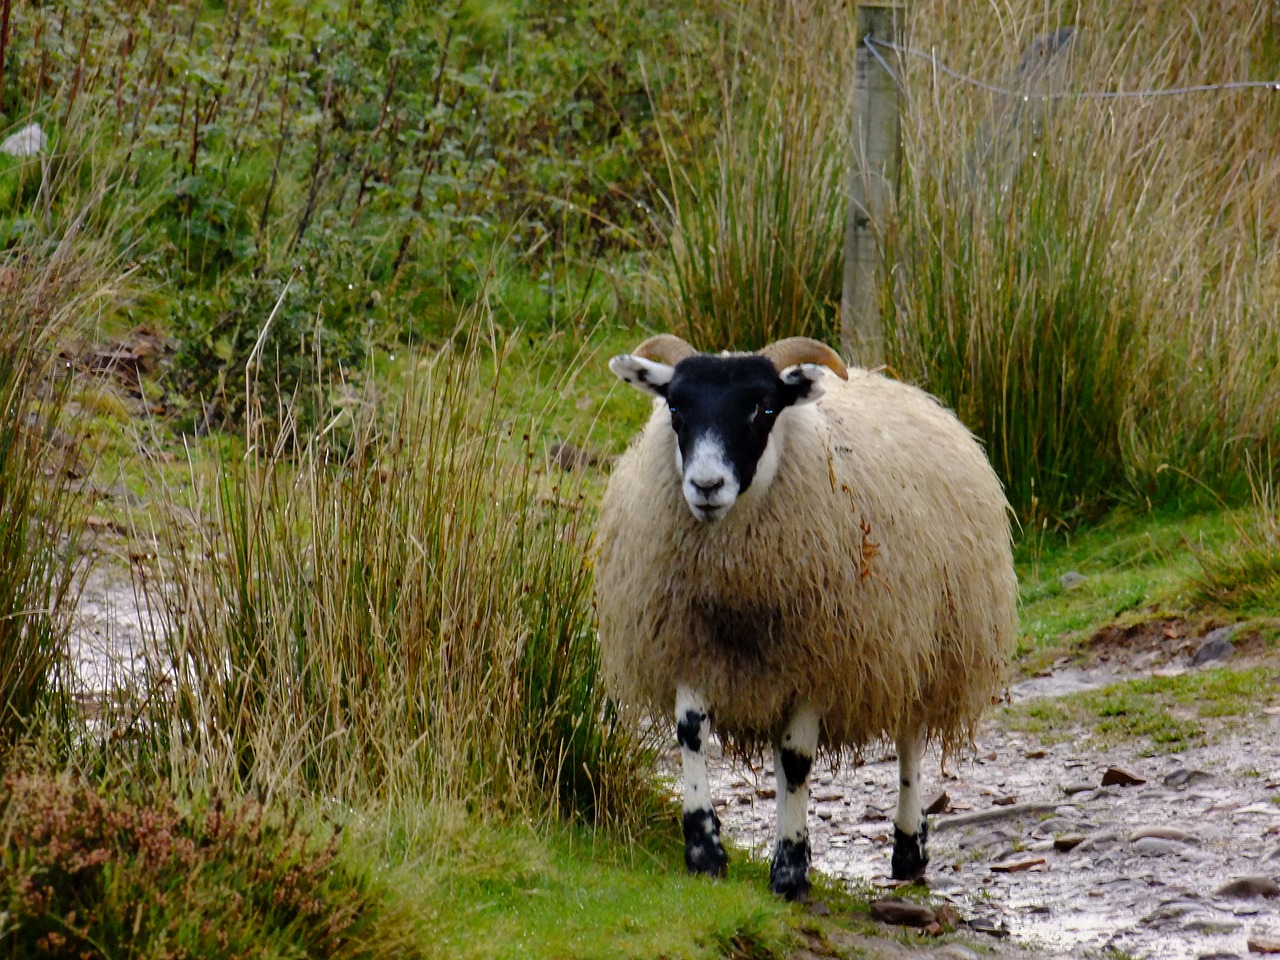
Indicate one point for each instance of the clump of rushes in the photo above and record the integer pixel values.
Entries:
(754, 248)
(85, 873)
(397, 607)
(1244, 577)
(57, 278)
(1089, 282)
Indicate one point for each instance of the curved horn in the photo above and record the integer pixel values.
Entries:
(665, 348)
(793, 350)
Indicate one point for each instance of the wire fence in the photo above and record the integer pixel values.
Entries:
(1026, 95)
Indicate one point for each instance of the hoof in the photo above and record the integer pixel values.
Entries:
(703, 852)
(789, 872)
(909, 856)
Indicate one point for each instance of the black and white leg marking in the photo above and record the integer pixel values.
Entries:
(792, 760)
(910, 828)
(703, 852)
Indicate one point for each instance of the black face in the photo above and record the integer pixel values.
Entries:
(729, 403)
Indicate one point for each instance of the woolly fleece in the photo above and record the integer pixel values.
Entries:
(874, 579)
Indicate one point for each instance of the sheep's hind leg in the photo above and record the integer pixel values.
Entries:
(792, 759)
(910, 828)
(703, 852)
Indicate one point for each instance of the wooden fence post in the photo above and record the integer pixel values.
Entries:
(877, 144)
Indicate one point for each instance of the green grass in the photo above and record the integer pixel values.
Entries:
(1168, 714)
(515, 893)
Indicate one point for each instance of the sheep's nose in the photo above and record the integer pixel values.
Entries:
(709, 487)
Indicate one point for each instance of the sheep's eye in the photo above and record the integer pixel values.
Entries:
(672, 408)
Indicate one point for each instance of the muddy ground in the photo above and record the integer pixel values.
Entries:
(1033, 848)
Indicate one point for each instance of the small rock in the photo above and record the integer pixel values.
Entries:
(819, 909)
(947, 915)
(1067, 842)
(1018, 866)
(825, 812)
(27, 142)
(932, 929)
(826, 794)
(1051, 826)
(954, 951)
(901, 913)
(1245, 888)
(1218, 956)
(1186, 778)
(1162, 833)
(1211, 925)
(872, 814)
(1071, 578)
(1119, 777)
(1036, 754)
(1216, 646)
(938, 804)
(993, 928)
(766, 793)
(1005, 801)
(1263, 945)
(1155, 847)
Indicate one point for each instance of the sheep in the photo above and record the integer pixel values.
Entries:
(808, 557)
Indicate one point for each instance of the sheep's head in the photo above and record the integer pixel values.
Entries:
(724, 408)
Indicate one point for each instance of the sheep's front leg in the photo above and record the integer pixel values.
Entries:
(703, 852)
(792, 760)
(910, 828)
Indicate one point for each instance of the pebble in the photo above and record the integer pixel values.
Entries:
(1070, 789)
(1047, 828)
(1162, 833)
(825, 812)
(1120, 777)
(1213, 651)
(901, 913)
(1264, 945)
(1068, 842)
(1156, 847)
(1186, 778)
(1072, 578)
(1218, 956)
(1210, 925)
(1245, 888)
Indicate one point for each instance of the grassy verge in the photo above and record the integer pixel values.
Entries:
(1164, 714)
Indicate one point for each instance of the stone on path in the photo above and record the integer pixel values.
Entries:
(1162, 833)
(1248, 887)
(901, 913)
(1264, 944)
(1119, 777)
(1186, 778)
(1156, 847)
(1068, 842)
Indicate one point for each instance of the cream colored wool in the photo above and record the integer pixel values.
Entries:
(873, 579)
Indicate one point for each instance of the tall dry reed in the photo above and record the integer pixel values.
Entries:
(397, 607)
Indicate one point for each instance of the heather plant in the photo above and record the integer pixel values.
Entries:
(101, 872)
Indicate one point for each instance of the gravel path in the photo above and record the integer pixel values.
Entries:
(1030, 841)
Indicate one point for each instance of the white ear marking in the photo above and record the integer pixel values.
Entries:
(647, 375)
(808, 379)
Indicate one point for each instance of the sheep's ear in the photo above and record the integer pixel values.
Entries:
(647, 375)
(803, 383)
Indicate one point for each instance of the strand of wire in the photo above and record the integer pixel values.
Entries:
(941, 67)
